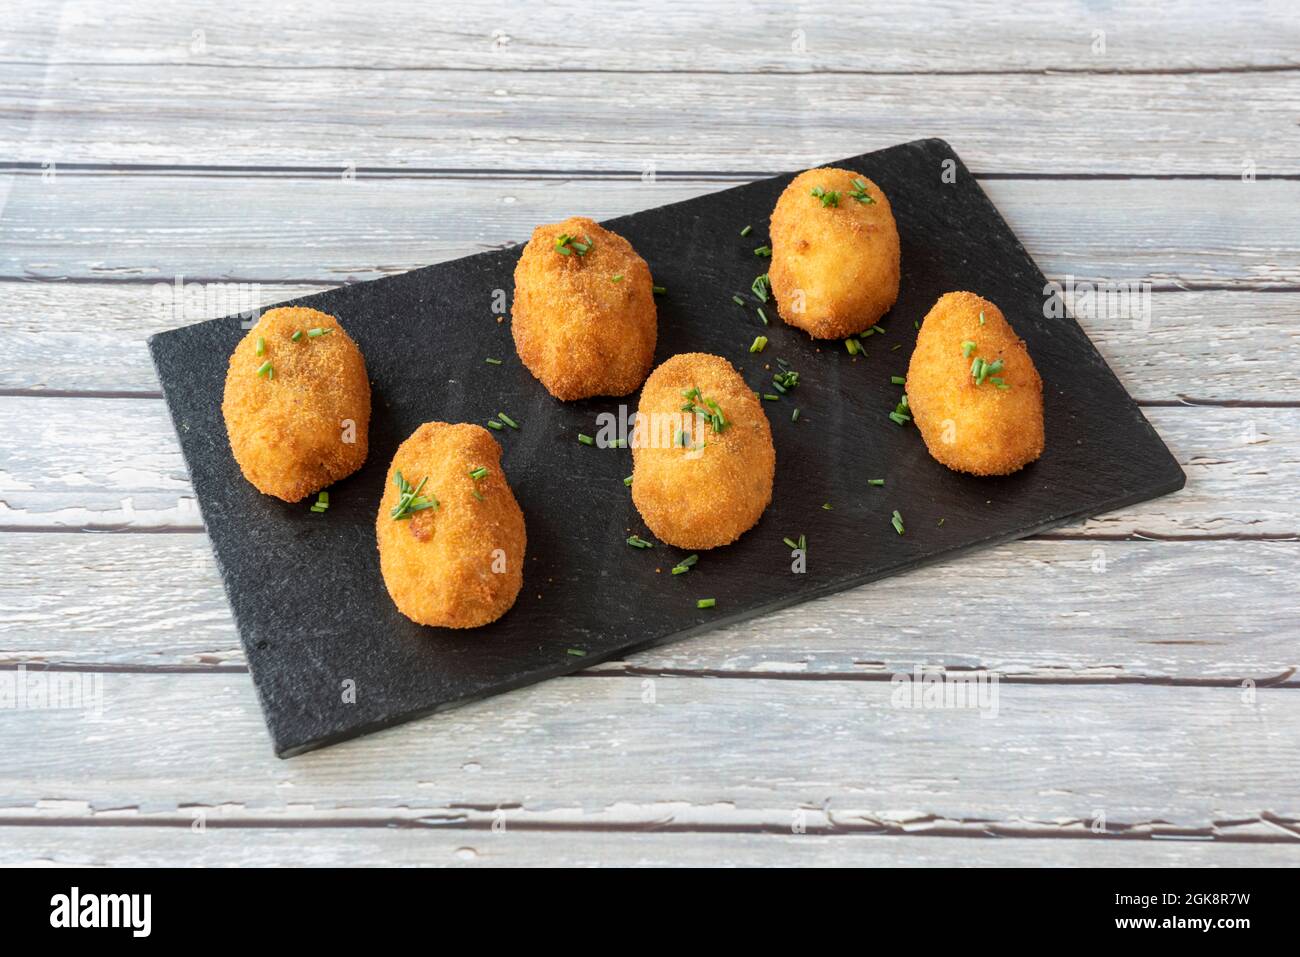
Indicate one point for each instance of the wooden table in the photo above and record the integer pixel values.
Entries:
(1149, 702)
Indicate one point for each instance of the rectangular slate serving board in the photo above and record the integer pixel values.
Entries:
(312, 611)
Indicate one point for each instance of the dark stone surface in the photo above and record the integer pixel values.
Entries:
(306, 591)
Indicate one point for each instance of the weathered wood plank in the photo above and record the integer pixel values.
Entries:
(499, 119)
(91, 337)
(106, 463)
(1084, 611)
(744, 36)
(438, 846)
(754, 752)
(330, 230)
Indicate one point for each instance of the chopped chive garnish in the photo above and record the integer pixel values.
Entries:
(828, 507)
(761, 287)
(759, 344)
(803, 543)
(322, 503)
(981, 317)
(900, 418)
(492, 362)
(659, 290)
(628, 481)
(680, 569)
(762, 315)
(566, 244)
(318, 332)
(794, 416)
(636, 541)
(507, 420)
(860, 192)
(875, 481)
(296, 335)
(895, 348)
(787, 379)
(853, 346)
(266, 369)
(828, 197)
(586, 439)
(790, 542)
(261, 346)
(706, 603)
(747, 230)
(410, 500)
(897, 522)
(967, 348)
(771, 398)
(477, 494)
(941, 521)
(617, 277)
(494, 424)
(577, 652)
(478, 473)
(763, 251)
(737, 300)
(897, 380)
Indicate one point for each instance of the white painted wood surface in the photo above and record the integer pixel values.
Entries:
(1147, 660)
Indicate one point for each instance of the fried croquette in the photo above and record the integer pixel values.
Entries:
(297, 403)
(583, 317)
(702, 455)
(835, 257)
(973, 389)
(451, 535)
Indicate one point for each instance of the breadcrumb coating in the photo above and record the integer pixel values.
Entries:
(584, 324)
(303, 423)
(459, 564)
(835, 265)
(980, 428)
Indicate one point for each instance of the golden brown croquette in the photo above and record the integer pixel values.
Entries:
(454, 555)
(835, 255)
(583, 316)
(973, 389)
(297, 412)
(696, 486)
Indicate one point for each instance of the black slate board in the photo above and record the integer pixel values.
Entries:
(306, 591)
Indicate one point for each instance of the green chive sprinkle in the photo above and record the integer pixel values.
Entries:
(899, 418)
(266, 369)
(896, 348)
(897, 380)
(828, 197)
(790, 542)
(628, 481)
(507, 420)
(478, 473)
(323, 498)
(803, 543)
(853, 346)
(794, 416)
(410, 500)
(860, 192)
(636, 541)
(771, 398)
(706, 603)
(493, 424)
(261, 346)
(763, 251)
(318, 332)
(981, 317)
(493, 362)
(737, 300)
(941, 521)
(477, 494)
(967, 348)
(762, 315)
(897, 522)
(875, 481)
(659, 290)
(747, 230)
(759, 344)
(761, 287)
(577, 652)
(617, 277)
(586, 439)
(296, 335)
(827, 506)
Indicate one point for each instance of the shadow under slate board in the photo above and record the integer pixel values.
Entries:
(311, 607)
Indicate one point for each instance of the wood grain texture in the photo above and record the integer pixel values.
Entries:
(438, 846)
(740, 36)
(90, 337)
(108, 464)
(1211, 762)
(330, 118)
(1171, 233)
(1033, 610)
